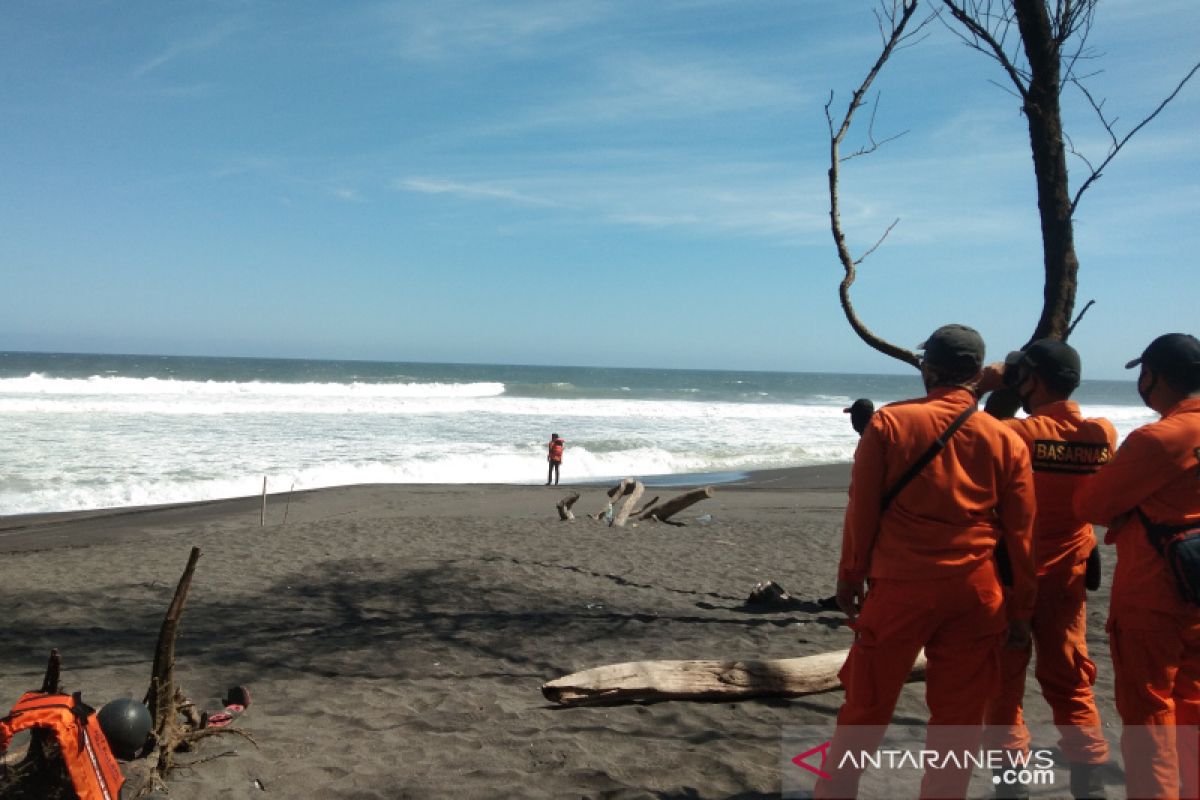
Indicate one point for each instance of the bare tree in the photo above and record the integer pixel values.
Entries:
(1040, 46)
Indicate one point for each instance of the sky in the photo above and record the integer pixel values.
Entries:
(582, 182)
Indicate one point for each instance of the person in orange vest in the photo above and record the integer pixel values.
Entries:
(917, 568)
(1066, 448)
(554, 456)
(1154, 633)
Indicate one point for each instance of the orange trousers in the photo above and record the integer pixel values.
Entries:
(1063, 670)
(1156, 670)
(961, 624)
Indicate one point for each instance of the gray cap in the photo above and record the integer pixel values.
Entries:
(953, 347)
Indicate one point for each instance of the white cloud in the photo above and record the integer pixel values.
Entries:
(191, 45)
(475, 190)
(457, 28)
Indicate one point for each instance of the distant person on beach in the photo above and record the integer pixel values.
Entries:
(927, 550)
(860, 412)
(1065, 449)
(554, 456)
(1146, 494)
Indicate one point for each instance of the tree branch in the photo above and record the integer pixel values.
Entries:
(898, 17)
(1079, 316)
(1117, 145)
(995, 48)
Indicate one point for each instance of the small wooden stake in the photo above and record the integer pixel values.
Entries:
(288, 504)
(262, 515)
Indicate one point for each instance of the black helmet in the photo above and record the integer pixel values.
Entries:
(126, 724)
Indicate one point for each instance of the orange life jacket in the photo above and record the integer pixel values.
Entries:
(93, 770)
(556, 449)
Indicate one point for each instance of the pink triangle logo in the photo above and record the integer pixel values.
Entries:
(819, 771)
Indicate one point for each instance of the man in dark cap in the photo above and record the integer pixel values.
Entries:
(1066, 448)
(860, 412)
(1151, 485)
(927, 552)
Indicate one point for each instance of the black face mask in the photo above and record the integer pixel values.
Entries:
(1145, 395)
(1020, 376)
(1026, 402)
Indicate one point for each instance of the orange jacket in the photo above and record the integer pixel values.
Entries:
(948, 519)
(1065, 449)
(556, 449)
(93, 770)
(1158, 469)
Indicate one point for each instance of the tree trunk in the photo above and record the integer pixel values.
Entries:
(1044, 118)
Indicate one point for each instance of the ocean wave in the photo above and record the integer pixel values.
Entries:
(108, 488)
(110, 386)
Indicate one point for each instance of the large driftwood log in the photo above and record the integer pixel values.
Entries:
(676, 504)
(564, 507)
(640, 681)
(628, 504)
(614, 496)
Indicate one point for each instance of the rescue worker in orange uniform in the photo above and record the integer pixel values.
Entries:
(1065, 448)
(921, 573)
(1154, 634)
(554, 457)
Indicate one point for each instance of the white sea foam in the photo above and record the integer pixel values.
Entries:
(109, 441)
(105, 386)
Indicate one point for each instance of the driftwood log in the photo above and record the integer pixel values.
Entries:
(623, 499)
(564, 507)
(645, 681)
(638, 513)
(614, 496)
(631, 499)
(178, 726)
(676, 504)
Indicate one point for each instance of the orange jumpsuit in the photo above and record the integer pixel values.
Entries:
(1153, 634)
(932, 577)
(1065, 449)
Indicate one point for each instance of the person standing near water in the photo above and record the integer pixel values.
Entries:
(926, 548)
(1066, 449)
(1148, 493)
(554, 456)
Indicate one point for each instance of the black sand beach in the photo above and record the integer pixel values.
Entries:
(396, 637)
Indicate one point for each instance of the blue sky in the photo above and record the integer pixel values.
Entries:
(598, 182)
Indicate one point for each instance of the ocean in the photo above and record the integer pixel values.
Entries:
(100, 431)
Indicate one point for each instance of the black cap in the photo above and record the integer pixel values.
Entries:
(953, 347)
(1175, 355)
(860, 412)
(1049, 358)
(860, 406)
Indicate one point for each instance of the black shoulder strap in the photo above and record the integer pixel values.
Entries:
(1159, 533)
(938, 444)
